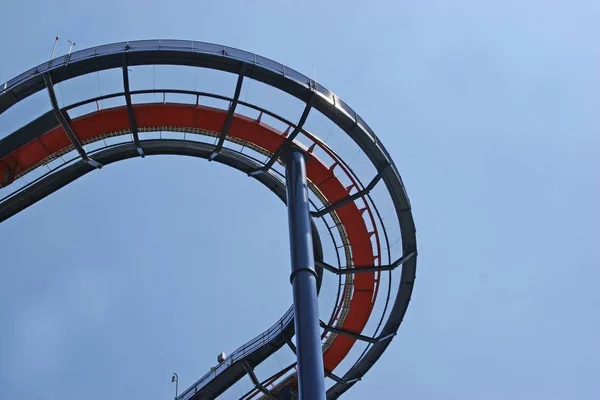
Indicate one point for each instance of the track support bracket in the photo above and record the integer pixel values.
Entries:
(256, 382)
(354, 335)
(359, 270)
(230, 113)
(288, 141)
(65, 123)
(351, 198)
(130, 111)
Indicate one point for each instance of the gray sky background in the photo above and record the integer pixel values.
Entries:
(490, 110)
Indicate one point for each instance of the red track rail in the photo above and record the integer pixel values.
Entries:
(94, 126)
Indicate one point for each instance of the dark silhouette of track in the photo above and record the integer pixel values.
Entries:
(350, 212)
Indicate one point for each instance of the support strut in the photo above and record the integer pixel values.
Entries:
(65, 122)
(311, 374)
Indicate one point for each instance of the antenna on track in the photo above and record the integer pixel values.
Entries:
(54, 47)
(71, 44)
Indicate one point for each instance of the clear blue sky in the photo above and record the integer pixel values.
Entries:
(490, 110)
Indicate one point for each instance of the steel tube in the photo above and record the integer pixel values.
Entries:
(311, 377)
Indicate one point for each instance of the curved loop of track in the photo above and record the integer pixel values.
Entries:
(22, 151)
(105, 123)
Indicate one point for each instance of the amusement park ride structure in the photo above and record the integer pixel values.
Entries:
(322, 191)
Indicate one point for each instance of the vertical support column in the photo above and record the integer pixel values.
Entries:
(311, 379)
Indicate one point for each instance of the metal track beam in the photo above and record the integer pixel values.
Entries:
(130, 111)
(256, 382)
(230, 112)
(287, 144)
(362, 270)
(65, 123)
(351, 198)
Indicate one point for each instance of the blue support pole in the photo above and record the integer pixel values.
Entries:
(311, 379)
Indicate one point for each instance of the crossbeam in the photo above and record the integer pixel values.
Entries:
(256, 382)
(288, 142)
(130, 112)
(291, 345)
(230, 112)
(362, 270)
(355, 335)
(65, 123)
(337, 379)
(344, 332)
(340, 203)
(334, 377)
